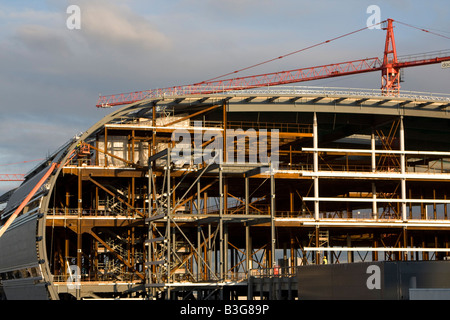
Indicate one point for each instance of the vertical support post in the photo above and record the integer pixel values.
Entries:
(198, 197)
(373, 155)
(290, 157)
(66, 209)
(224, 119)
(133, 142)
(316, 167)
(225, 197)
(349, 245)
(374, 203)
(150, 235)
(133, 191)
(247, 200)
(105, 147)
(446, 244)
(79, 234)
(95, 259)
(205, 263)
(375, 245)
(133, 260)
(209, 252)
(402, 169)
(221, 247)
(291, 201)
(128, 157)
(272, 215)
(199, 252)
(248, 245)
(317, 245)
(96, 152)
(66, 252)
(410, 204)
(436, 245)
(153, 151)
(248, 249)
(293, 255)
(434, 205)
(405, 243)
(96, 200)
(225, 251)
(128, 246)
(425, 253)
(445, 207)
(374, 168)
(169, 221)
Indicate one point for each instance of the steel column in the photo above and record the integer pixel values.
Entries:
(248, 245)
(221, 244)
(316, 167)
(402, 169)
(272, 215)
(169, 221)
(79, 234)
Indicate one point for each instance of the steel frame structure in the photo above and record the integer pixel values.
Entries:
(355, 182)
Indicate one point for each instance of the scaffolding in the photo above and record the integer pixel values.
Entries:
(224, 196)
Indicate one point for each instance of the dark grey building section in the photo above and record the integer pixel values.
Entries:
(21, 193)
(387, 280)
(19, 266)
(18, 246)
(26, 289)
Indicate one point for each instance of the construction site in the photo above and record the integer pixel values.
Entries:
(225, 190)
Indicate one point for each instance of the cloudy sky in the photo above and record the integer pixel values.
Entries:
(51, 75)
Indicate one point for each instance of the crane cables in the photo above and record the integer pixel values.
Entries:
(423, 29)
(319, 44)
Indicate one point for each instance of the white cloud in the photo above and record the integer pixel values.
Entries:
(43, 39)
(119, 27)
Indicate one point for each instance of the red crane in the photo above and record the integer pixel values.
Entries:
(11, 177)
(389, 66)
(15, 176)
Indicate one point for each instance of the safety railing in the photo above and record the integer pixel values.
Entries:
(424, 56)
(100, 276)
(94, 213)
(276, 271)
(338, 91)
(330, 167)
(107, 101)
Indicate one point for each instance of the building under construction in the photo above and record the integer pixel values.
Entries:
(225, 194)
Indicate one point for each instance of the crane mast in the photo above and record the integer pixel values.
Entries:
(390, 72)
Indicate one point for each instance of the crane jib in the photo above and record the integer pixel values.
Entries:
(390, 66)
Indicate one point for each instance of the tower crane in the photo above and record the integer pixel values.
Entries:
(15, 176)
(389, 65)
(12, 177)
